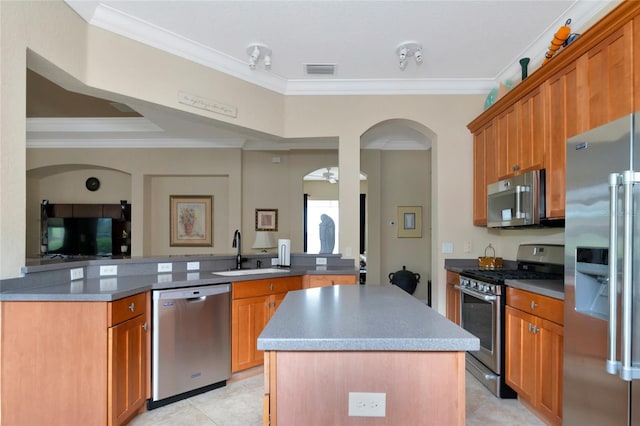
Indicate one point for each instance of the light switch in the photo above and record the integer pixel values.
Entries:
(447, 247)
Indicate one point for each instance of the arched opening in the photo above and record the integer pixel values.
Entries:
(396, 156)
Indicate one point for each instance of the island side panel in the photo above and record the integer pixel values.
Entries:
(54, 363)
(422, 388)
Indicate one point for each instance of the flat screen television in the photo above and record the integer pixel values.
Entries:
(88, 236)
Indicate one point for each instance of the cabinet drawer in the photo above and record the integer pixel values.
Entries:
(127, 308)
(453, 278)
(265, 287)
(328, 280)
(536, 304)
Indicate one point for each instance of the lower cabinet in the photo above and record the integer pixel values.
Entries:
(534, 351)
(81, 362)
(311, 281)
(453, 297)
(127, 360)
(253, 304)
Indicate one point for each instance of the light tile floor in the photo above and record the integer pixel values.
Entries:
(240, 404)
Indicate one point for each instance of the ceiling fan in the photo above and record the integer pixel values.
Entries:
(329, 176)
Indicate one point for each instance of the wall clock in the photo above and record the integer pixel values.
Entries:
(92, 184)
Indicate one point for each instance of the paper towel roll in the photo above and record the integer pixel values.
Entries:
(284, 252)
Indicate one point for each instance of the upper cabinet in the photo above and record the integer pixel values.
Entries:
(592, 82)
(562, 118)
(606, 80)
(532, 126)
(484, 171)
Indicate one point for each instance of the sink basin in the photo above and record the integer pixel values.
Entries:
(238, 272)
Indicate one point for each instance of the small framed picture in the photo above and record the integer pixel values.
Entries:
(191, 221)
(266, 219)
(410, 222)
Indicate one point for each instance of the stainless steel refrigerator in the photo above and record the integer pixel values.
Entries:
(602, 276)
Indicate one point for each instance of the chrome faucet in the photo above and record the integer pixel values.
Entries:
(237, 243)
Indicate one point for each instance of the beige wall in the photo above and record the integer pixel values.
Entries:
(128, 69)
(152, 176)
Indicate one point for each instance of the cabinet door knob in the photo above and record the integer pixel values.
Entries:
(145, 326)
(132, 307)
(533, 304)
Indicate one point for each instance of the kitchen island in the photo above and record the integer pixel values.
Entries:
(325, 343)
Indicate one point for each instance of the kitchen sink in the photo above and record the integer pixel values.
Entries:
(238, 272)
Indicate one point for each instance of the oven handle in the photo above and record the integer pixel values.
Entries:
(485, 297)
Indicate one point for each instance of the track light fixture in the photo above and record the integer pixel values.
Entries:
(406, 50)
(257, 51)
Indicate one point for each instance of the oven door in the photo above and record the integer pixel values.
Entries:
(480, 316)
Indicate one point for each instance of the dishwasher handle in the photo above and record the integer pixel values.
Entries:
(192, 294)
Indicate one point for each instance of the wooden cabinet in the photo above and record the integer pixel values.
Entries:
(453, 297)
(534, 345)
(606, 78)
(87, 362)
(484, 170)
(253, 304)
(127, 359)
(531, 131)
(593, 81)
(562, 112)
(521, 135)
(507, 143)
(311, 281)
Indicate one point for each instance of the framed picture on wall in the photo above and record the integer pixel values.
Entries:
(410, 221)
(191, 220)
(266, 219)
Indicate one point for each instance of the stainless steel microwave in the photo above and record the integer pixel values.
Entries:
(517, 201)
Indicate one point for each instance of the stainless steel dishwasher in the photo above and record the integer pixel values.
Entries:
(191, 342)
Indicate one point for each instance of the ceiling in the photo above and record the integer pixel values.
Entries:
(468, 48)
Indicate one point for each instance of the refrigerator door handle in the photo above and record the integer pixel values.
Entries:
(627, 372)
(613, 365)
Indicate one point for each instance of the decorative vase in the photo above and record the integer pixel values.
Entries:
(188, 228)
(524, 63)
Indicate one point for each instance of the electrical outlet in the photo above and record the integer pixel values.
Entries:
(77, 274)
(367, 404)
(467, 246)
(321, 260)
(274, 261)
(165, 267)
(193, 266)
(108, 270)
(165, 278)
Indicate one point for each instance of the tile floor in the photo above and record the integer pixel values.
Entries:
(240, 404)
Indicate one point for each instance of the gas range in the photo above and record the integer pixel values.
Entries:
(482, 308)
(491, 281)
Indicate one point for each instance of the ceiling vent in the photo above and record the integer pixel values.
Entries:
(321, 69)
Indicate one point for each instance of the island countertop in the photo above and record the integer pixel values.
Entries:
(360, 318)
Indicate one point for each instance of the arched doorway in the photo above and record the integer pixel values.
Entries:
(396, 156)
